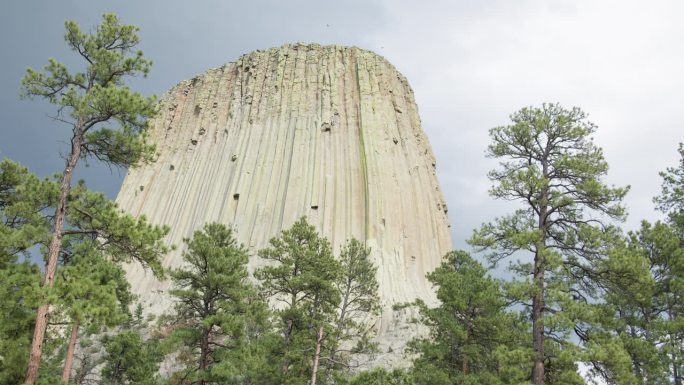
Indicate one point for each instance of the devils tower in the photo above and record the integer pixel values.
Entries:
(328, 132)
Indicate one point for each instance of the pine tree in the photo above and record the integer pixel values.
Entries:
(381, 376)
(88, 101)
(217, 312)
(668, 269)
(301, 277)
(550, 164)
(472, 339)
(651, 314)
(629, 339)
(22, 225)
(130, 357)
(97, 238)
(635, 335)
(671, 199)
(359, 301)
(18, 295)
(100, 235)
(90, 292)
(23, 199)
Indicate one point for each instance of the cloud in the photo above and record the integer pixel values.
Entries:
(471, 64)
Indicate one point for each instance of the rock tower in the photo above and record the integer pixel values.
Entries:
(329, 132)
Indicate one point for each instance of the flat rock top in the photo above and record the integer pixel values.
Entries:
(328, 132)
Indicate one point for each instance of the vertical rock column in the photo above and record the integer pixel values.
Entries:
(329, 132)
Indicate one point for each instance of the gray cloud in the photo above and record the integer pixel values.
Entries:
(471, 64)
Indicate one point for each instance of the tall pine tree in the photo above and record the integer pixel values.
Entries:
(640, 323)
(671, 199)
(472, 338)
(357, 286)
(300, 278)
(132, 354)
(97, 234)
(90, 292)
(107, 123)
(218, 317)
(23, 197)
(549, 163)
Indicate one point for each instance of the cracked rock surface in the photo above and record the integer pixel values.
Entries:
(329, 132)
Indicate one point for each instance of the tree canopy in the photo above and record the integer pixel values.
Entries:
(549, 163)
(473, 338)
(108, 122)
(218, 318)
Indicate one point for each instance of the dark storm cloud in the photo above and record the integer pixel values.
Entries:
(470, 63)
(182, 38)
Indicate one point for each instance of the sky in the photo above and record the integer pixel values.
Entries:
(470, 63)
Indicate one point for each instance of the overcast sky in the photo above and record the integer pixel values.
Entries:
(470, 63)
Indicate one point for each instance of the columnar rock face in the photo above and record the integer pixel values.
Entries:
(328, 132)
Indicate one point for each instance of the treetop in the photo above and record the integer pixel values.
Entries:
(92, 99)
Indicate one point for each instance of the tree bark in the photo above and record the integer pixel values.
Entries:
(538, 324)
(340, 323)
(53, 254)
(314, 370)
(288, 333)
(538, 299)
(636, 365)
(675, 371)
(469, 330)
(676, 376)
(83, 371)
(69, 360)
(204, 355)
(464, 366)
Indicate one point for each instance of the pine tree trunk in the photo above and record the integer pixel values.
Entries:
(636, 366)
(465, 367)
(675, 371)
(204, 356)
(53, 254)
(538, 299)
(329, 370)
(538, 326)
(83, 370)
(676, 376)
(314, 371)
(69, 359)
(288, 333)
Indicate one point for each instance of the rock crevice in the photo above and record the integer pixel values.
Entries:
(329, 132)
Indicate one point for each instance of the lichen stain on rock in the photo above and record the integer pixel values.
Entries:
(300, 130)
